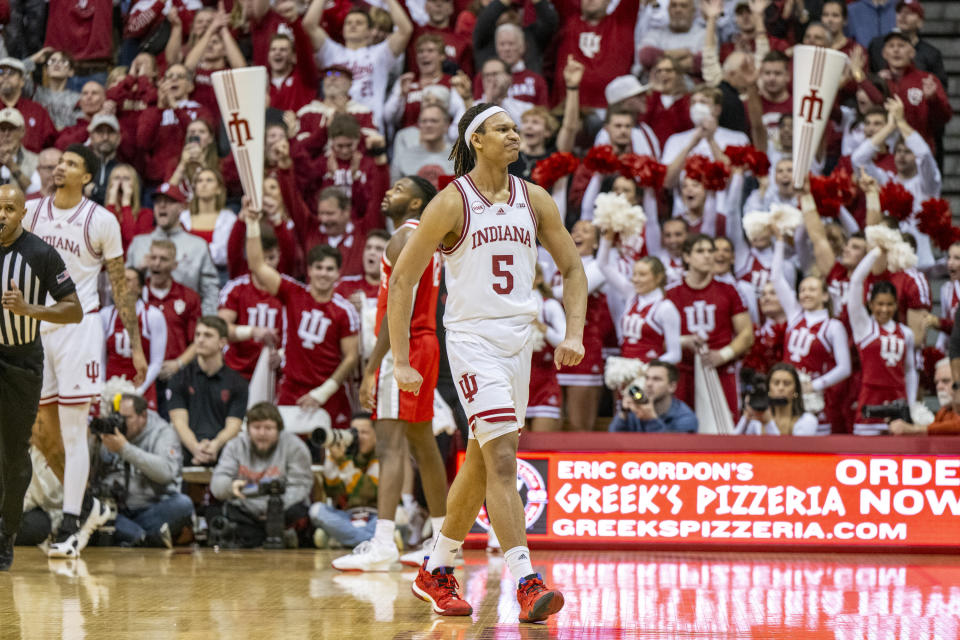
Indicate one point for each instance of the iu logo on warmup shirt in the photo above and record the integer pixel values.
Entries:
(701, 318)
(313, 328)
(799, 344)
(891, 349)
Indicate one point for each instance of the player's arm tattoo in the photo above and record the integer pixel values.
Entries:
(126, 306)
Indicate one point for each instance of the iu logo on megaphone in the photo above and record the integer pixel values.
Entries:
(239, 129)
(810, 103)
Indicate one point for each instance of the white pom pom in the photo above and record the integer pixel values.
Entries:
(368, 320)
(619, 371)
(612, 212)
(900, 255)
(812, 400)
(920, 414)
(538, 339)
(785, 218)
(756, 223)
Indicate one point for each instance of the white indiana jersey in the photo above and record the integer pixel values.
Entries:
(490, 270)
(85, 236)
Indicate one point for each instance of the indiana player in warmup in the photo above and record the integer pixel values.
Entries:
(487, 223)
(29, 271)
(401, 413)
(87, 237)
(885, 347)
(321, 338)
(713, 321)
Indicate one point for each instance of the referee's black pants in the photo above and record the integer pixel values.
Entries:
(21, 380)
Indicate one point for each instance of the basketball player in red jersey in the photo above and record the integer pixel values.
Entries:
(401, 413)
(487, 222)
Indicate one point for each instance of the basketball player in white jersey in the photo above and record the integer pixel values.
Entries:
(487, 223)
(87, 237)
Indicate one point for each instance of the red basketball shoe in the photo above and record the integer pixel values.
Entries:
(536, 601)
(441, 590)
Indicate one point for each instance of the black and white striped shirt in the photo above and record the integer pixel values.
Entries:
(37, 269)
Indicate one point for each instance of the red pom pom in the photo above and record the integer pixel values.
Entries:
(758, 162)
(552, 168)
(832, 192)
(896, 200)
(738, 155)
(936, 220)
(602, 159)
(645, 170)
(713, 175)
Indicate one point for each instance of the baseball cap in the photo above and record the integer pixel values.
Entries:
(171, 191)
(13, 63)
(339, 68)
(623, 87)
(913, 5)
(896, 34)
(11, 116)
(104, 118)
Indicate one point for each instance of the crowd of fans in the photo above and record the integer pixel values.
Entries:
(681, 106)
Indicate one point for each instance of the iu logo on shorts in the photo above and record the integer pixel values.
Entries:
(468, 386)
(313, 327)
(93, 371)
(701, 318)
(891, 350)
(799, 344)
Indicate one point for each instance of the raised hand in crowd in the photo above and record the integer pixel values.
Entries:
(292, 123)
(573, 72)
(278, 154)
(462, 84)
(711, 10)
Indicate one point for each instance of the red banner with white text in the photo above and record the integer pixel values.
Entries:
(731, 499)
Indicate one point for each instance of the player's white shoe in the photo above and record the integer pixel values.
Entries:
(368, 556)
(69, 545)
(416, 557)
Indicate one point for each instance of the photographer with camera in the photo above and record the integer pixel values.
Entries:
(351, 475)
(140, 468)
(264, 480)
(774, 406)
(652, 408)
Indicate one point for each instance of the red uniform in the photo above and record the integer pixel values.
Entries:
(181, 309)
(312, 345)
(767, 347)
(808, 348)
(424, 346)
(838, 284)
(599, 323)
(883, 355)
(709, 313)
(755, 272)
(949, 301)
(119, 352)
(602, 48)
(545, 395)
(254, 307)
(132, 225)
(642, 334)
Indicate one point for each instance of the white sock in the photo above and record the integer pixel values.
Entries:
(383, 535)
(436, 524)
(444, 553)
(518, 559)
(409, 504)
(76, 468)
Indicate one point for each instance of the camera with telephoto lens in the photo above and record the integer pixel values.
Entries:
(898, 410)
(105, 425)
(273, 489)
(635, 392)
(753, 386)
(327, 437)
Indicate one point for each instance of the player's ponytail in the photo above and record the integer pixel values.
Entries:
(463, 155)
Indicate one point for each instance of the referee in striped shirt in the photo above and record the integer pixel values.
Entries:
(29, 270)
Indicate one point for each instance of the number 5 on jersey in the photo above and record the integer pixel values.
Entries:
(499, 270)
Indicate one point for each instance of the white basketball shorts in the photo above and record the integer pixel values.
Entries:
(493, 388)
(73, 362)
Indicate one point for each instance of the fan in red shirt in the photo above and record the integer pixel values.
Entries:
(713, 321)
(40, 131)
(123, 201)
(180, 306)
(252, 314)
(403, 106)
(775, 96)
(599, 41)
(511, 46)
(128, 98)
(81, 28)
(456, 47)
(214, 51)
(746, 38)
(315, 117)
(363, 289)
(293, 72)
(668, 103)
(320, 338)
(92, 97)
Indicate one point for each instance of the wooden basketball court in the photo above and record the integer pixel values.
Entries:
(112, 593)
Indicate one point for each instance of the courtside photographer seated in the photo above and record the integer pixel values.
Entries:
(350, 478)
(264, 479)
(139, 466)
(773, 405)
(651, 407)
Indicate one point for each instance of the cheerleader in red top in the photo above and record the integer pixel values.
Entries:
(543, 409)
(768, 337)
(650, 324)
(208, 217)
(815, 343)
(885, 347)
(583, 383)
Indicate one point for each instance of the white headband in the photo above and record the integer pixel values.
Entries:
(479, 120)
